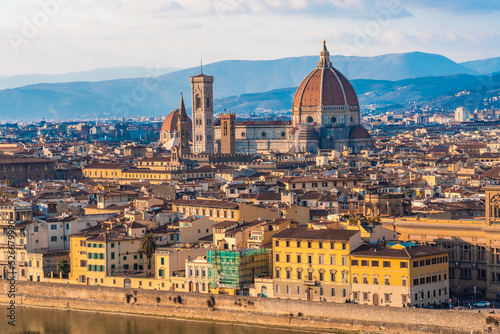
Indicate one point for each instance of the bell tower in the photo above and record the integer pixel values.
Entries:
(202, 95)
(183, 131)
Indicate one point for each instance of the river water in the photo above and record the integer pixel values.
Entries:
(51, 321)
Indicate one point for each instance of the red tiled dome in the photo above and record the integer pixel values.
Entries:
(359, 132)
(325, 86)
(170, 122)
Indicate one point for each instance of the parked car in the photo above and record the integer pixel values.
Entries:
(482, 304)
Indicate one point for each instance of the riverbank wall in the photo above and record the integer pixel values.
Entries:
(251, 310)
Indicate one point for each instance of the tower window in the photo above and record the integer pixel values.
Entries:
(197, 101)
(263, 134)
(208, 102)
(225, 128)
(283, 134)
(310, 119)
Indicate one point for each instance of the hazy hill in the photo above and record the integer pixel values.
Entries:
(437, 91)
(98, 74)
(158, 96)
(484, 66)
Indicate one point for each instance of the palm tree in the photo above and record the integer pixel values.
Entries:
(62, 267)
(148, 246)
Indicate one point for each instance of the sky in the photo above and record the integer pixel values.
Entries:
(60, 36)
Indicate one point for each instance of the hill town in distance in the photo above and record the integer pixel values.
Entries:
(328, 206)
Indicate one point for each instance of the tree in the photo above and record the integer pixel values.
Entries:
(374, 220)
(62, 267)
(148, 246)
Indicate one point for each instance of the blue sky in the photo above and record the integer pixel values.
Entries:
(58, 36)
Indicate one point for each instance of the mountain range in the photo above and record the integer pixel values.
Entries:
(242, 86)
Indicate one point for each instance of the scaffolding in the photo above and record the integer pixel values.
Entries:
(237, 269)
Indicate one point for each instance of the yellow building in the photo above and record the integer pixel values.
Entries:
(399, 274)
(93, 257)
(216, 210)
(473, 245)
(125, 174)
(312, 264)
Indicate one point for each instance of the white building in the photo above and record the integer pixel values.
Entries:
(462, 114)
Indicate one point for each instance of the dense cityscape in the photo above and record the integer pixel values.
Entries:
(361, 195)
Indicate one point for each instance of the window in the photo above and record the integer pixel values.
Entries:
(53, 227)
(344, 246)
(375, 280)
(364, 263)
(288, 289)
(287, 257)
(332, 260)
(365, 296)
(344, 260)
(287, 243)
(299, 274)
(309, 259)
(277, 256)
(403, 264)
(320, 245)
(162, 261)
(387, 297)
(355, 279)
(53, 238)
(415, 264)
(374, 263)
(320, 259)
(354, 263)
(386, 281)
(403, 299)
(277, 274)
(299, 258)
(288, 275)
(332, 277)
(298, 244)
(321, 276)
(277, 243)
(365, 280)
(309, 244)
(403, 282)
(277, 288)
(355, 296)
(415, 281)
(387, 264)
(112, 255)
(333, 292)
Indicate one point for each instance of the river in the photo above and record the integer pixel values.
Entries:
(53, 321)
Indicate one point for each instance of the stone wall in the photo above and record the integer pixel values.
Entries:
(274, 312)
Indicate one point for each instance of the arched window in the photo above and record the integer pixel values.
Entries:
(309, 119)
(197, 101)
(225, 128)
(208, 102)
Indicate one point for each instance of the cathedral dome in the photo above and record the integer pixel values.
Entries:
(359, 132)
(325, 86)
(170, 122)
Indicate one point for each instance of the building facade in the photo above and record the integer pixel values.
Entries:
(203, 113)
